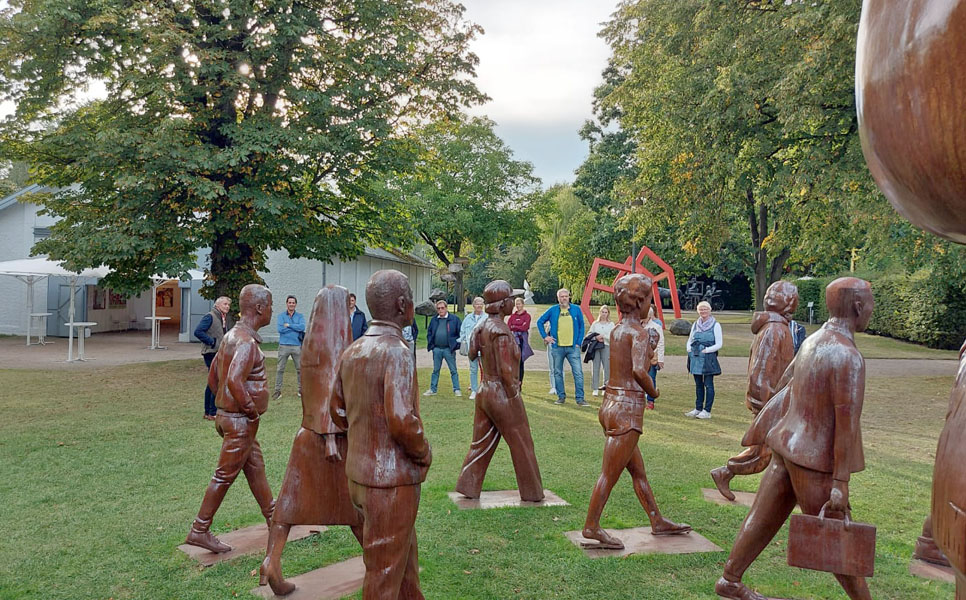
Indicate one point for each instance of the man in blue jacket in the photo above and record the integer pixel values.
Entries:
(291, 330)
(443, 339)
(210, 330)
(357, 318)
(564, 338)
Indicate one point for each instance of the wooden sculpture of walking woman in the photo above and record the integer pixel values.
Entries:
(622, 413)
(315, 489)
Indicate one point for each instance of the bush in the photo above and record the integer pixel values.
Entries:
(918, 307)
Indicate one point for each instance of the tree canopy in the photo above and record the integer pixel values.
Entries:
(232, 125)
(466, 191)
(742, 118)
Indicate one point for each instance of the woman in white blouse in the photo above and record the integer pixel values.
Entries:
(602, 328)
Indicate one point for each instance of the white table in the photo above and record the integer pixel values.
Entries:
(80, 326)
(156, 332)
(42, 335)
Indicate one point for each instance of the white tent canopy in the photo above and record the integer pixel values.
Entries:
(32, 270)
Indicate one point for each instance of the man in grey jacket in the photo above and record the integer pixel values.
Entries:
(209, 331)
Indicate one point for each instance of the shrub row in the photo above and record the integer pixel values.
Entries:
(917, 307)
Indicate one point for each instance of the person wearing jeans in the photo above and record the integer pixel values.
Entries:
(703, 345)
(654, 323)
(291, 330)
(470, 323)
(564, 337)
(443, 339)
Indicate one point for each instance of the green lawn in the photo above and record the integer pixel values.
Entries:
(103, 472)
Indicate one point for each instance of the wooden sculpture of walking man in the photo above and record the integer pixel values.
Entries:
(622, 413)
(238, 379)
(817, 444)
(376, 398)
(499, 406)
(771, 353)
(315, 490)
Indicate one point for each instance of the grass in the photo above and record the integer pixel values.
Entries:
(104, 470)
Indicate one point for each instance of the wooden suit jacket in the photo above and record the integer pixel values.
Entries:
(824, 406)
(376, 398)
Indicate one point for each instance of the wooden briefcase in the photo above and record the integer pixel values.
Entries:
(839, 546)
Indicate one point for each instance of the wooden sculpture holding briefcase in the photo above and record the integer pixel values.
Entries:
(816, 445)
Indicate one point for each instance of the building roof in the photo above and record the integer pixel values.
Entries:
(33, 188)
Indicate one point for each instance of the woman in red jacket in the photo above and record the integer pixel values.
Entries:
(519, 323)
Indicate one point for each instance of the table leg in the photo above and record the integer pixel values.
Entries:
(80, 343)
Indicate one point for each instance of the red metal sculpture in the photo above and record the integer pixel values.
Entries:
(624, 268)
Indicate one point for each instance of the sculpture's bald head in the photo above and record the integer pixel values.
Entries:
(389, 297)
(782, 297)
(632, 294)
(850, 299)
(255, 305)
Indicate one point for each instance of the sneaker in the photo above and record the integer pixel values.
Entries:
(276, 395)
(582, 403)
(429, 393)
(457, 393)
(596, 393)
(559, 401)
(693, 413)
(703, 415)
(472, 395)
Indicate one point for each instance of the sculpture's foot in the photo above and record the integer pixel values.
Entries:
(467, 493)
(204, 539)
(722, 477)
(605, 541)
(927, 550)
(736, 590)
(533, 497)
(272, 575)
(665, 526)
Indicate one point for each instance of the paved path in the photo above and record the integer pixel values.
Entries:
(110, 349)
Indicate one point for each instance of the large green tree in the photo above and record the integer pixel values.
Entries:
(467, 191)
(742, 113)
(234, 125)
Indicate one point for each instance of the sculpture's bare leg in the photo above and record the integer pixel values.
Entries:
(659, 524)
(270, 571)
(617, 454)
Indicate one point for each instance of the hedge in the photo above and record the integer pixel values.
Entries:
(916, 307)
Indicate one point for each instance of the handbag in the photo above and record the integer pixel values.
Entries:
(839, 546)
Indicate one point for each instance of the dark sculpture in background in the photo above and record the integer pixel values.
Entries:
(771, 353)
(238, 378)
(375, 398)
(622, 414)
(315, 490)
(817, 443)
(499, 405)
(909, 81)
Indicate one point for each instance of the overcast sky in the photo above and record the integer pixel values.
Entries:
(539, 62)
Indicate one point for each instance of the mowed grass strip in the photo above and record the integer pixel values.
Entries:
(104, 470)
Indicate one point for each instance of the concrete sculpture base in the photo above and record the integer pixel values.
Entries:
(640, 541)
(926, 570)
(327, 583)
(504, 499)
(248, 540)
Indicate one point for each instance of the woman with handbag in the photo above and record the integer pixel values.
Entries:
(703, 344)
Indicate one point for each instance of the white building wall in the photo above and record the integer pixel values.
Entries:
(303, 278)
(17, 223)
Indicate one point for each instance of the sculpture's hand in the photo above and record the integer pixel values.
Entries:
(332, 453)
(426, 460)
(657, 393)
(838, 500)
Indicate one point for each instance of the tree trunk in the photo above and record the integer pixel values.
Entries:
(765, 273)
(458, 284)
